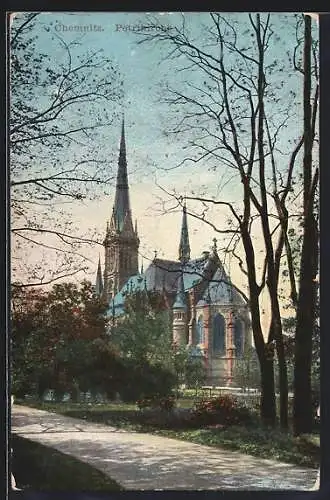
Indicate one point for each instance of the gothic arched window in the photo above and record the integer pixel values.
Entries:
(200, 330)
(194, 332)
(219, 334)
(238, 337)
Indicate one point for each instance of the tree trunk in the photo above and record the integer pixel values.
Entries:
(268, 401)
(276, 334)
(283, 382)
(302, 405)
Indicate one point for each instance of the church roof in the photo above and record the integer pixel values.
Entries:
(166, 275)
(221, 291)
(163, 274)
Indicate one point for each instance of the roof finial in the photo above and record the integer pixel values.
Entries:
(155, 256)
(142, 270)
(215, 249)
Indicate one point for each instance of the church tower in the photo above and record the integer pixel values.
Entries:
(121, 241)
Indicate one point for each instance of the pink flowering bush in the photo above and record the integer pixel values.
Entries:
(220, 410)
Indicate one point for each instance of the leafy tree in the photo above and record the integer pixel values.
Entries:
(247, 371)
(195, 371)
(52, 335)
(144, 334)
(62, 98)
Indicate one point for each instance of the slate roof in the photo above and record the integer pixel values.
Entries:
(165, 274)
(221, 292)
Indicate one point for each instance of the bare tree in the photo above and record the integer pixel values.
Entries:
(234, 112)
(61, 101)
(307, 301)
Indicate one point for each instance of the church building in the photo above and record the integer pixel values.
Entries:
(207, 311)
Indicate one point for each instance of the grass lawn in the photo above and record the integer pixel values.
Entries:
(37, 467)
(253, 439)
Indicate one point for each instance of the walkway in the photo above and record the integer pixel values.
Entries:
(146, 462)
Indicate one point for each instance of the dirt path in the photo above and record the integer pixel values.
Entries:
(146, 462)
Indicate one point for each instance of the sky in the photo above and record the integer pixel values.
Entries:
(151, 155)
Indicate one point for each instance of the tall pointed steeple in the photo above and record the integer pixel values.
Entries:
(99, 281)
(184, 247)
(121, 242)
(122, 203)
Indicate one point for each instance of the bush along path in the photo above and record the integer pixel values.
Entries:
(139, 461)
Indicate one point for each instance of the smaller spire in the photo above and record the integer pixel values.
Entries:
(184, 247)
(180, 299)
(135, 228)
(99, 281)
(142, 270)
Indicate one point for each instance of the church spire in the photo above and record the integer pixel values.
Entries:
(99, 281)
(122, 204)
(184, 247)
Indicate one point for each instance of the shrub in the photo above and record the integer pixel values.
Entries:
(145, 381)
(163, 403)
(221, 410)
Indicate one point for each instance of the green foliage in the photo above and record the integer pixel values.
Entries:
(144, 333)
(59, 343)
(195, 372)
(247, 370)
(189, 368)
(165, 403)
(146, 380)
